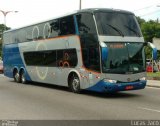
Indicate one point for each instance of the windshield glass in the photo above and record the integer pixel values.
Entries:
(117, 24)
(124, 58)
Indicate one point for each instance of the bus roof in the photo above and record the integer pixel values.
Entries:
(93, 10)
(90, 10)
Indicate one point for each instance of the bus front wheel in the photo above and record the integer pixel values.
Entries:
(74, 83)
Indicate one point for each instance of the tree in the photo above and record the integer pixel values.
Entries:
(150, 29)
(2, 29)
(140, 21)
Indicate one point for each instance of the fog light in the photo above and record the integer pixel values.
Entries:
(143, 79)
(110, 81)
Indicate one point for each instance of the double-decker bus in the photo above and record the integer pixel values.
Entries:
(93, 49)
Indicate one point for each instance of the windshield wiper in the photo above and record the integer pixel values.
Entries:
(116, 29)
(133, 30)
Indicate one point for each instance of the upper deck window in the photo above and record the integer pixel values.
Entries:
(89, 41)
(86, 23)
(117, 24)
(67, 25)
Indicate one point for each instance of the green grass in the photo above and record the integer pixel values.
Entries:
(150, 74)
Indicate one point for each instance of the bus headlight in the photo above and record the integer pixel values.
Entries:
(143, 79)
(110, 81)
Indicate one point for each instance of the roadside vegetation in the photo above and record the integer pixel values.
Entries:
(150, 30)
(2, 28)
(156, 74)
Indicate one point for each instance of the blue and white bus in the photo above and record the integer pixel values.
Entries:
(93, 49)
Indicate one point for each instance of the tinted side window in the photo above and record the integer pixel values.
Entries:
(50, 58)
(86, 23)
(32, 58)
(55, 29)
(89, 41)
(40, 58)
(60, 58)
(70, 58)
(67, 25)
(67, 58)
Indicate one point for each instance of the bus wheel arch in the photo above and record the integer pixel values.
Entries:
(74, 82)
(16, 75)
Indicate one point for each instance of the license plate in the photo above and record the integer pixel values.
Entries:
(129, 87)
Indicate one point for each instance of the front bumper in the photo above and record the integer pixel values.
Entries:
(102, 86)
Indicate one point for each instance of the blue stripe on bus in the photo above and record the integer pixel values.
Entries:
(102, 86)
(76, 25)
(12, 59)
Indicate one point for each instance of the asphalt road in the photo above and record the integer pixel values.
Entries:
(37, 102)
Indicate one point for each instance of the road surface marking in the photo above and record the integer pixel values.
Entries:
(154, 110)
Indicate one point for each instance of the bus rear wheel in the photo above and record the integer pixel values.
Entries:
(23, 78)
(16, 76)
(74, 83)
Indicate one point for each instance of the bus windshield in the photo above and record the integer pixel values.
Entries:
(117, 24)
(124, 58)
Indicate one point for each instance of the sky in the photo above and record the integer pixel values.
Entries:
(32, 11)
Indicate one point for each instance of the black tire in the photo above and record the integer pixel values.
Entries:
(74, 83)
(23, 77)
(16, 76)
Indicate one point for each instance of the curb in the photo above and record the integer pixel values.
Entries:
(153, 83)
(153, 78)
(153, 86)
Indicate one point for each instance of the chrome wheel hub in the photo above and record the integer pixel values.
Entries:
(75, 84)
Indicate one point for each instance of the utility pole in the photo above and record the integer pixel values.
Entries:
(80, 3)
(5, 14)
(158, 17)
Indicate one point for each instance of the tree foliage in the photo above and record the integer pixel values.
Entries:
(150, 29)
(2, 29)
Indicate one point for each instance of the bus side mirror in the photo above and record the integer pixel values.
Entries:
(154, 50)
(104, 53)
